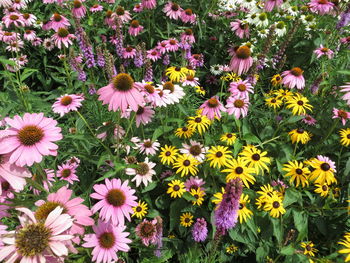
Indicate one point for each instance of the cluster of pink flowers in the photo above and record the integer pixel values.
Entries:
(176, 12)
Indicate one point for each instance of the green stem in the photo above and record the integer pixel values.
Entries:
(66, 69)
(271, 140)
(295, 149)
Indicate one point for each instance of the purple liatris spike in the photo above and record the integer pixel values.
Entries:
(149, 72)
(227, 212)
(200, 230)
(100, 58)
(81, 75)
(166, 59)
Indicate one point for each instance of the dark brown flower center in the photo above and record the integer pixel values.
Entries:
(188, 32)
(239, 170)
(219, 154)
(256, 157)
(324, 50)
(175, 7)
(273, 101)
(342, 114)
(62, 32)
(66, 173)
(66, 100)
(324, 188)
(123, 82)
(173, 42)
(242, 87)
(142, 169)
(299, 171)
(323, 2)
(30, 135)
(198, 119)
(149, 88)
(14, 17)
(276, 204)
(300, 131)
(128, 49)
(5, 186)
(186, 163)
(229, 135)
(188, 12)
(325, 167)
(140, 110)
(57, 17)
(187, 220)
(138, 209)
(176, 188)
(300, 102)
(77, 4)
(135, 23)
(167, 153)
(243, 52)
(147, 229)
(116, 197)
(120, 11)
(213, 103)
(147, 144)
(195, 150)
(106, 240)
(348, 136)
(109, 13)
(308, 248)
(296, 71)
(238, 103)
(26, 16)
(184, 129)
(169, 86)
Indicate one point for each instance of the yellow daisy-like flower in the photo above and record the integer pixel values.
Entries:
(200, 90)
(256, 158)
(273, 102)
(297, 172)
(300, 135)
(168, 154)
(218, 196)
(140, 210)
(266, 191)
(190, 71)
(322, 189)
(322, 173)
(299, 104)
(345, 137)
(276, 80)
(218, 156)
(346, 243)
(199, 123)
(274, 205)
(260, 203)
(229, 138)
(186, 164)
(185, 132)
(186, 219)
(230, 77)
(283, 94)
(239, 168)
(176, 188)
(244, 213)
(309, 248)
(198, 194)
(231, 249)
(175, 74)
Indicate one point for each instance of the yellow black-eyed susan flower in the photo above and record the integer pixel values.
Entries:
(297, 172)
(346, 243)
(198, 194)
(185, 132)
(218, 156)
(244, 213)
(186, 219)
(175, 74)
(300, 135)
(273, 102)
(309, 248)
(199, 123)
(176, 188)
(276, 80)
(229, 138)
(322, 189)
(239, 168)
(168, 154)
(299, 104)
(186, 164)
(256, 159)
(345, 137)
(140, 210)
(274, 205)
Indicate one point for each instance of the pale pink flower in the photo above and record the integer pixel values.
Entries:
(346, 90)
(123, 14)
(190, 81)
(36, 41)
(96, 8)
(238, 107)
(138, 8)
(44, 239)
(29, 19)
(13, 18)
(149, 4)
(2, 231)
(153, 54)
(48, 44)
(79, 10)
(147, 147)
(195, 149)
(143, 172)
(150, 93)
(241, 60)
(68, 173)
(58, 21)
(269, 5)
(212, 108)
(147, 231)
(19, 4)
(116, 200)
(67, 103)
(308, 119)
(240, 28)
(129, 52)
(46, 182)
(176, 92)
(106, 241)
(29, 138)
(187, 36)
(293, 78)
(144, 115)
(321, 7)
(172, 10)
(323, 51)
(187, 16)
(194, 183)
(118, 132)
(29, 35)
(135, 28)
(241, 89)
(15, 46)
(172, 45)
(9, 37)
(162, 46)
(62, 36)
(341, 114)
(5, 3)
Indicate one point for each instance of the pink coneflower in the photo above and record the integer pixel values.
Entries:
(48, 44)
(190, 81)
(150, 93)
(29, 19)
(107, 241)
(153, 54)
(135, 28)
(116, 200)
(238, 107)
(172, 45)
(121, 93)
(144, 115)
(196, 60)
(13, 174)
(194, 183)
(269, 5)
(172, 10)
(164, 98)
(212, 108)
(175, 91)
(71, 206)
(38, 241)
(162, 46)
(2, 232)
(195, 149)
(46, 182)
(149, 4)
(143, 172)
(110, 18)
(241, 89)
(241, 60)
(323, 51)
(147, 147)
(187, 16)
(96, 8)
(129, 52)
(123, 14)
(5, 3)
(138, 8)
(187, 36)
(9, 37)
(19, 4)
(62, 36)
(147, 231)
(118, 132)
(293, 78)
(68, 173)
(67, 103)
(341, 114)
(321, 7)
(58, 21)
(13, 18)
(15, 46)
(79, 10)
(29, 35)
(240, 28)
(29, 138)
(309, 120)
(346, 89)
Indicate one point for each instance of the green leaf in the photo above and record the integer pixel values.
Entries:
(160, 131)
(149, 187)
(188, 196)
(251, 138)
(288, 250)
(301, 223)
(175, 212)
(261, 254)
(277, 229)
(292, 196)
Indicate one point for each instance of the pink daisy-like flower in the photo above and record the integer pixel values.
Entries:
(29, 19)
(194, 183)
(241, 60)
(67, 172)
(147, 147)
(323, 51)
(321, 7)
(238, 107)
(346, 90)
(162, 46)
(195, 149)
(19, 4)
(309, 120)
(8, 37)
(15, 46)
(212, 108)
(172, 45)
(149, 4)
(341, 114)
(71, 206)
(107, 241)
(13, 18)
(48, 44)
(164, 98)
(5, 3)
(116, 200)
(147, 231)
(29, 138)
(123, 14)
(96, 8)
(150, 93)
(67, 103)
(187, 36)
(62, 36)
(240, 28)
(172, 10)
(129, 52)
(121, 93)
(46, 182)
(269, 5)
(144, 115)
(196, 60)
(293, 78)
(190, 81)
(38, 241)
(143, 172)
(187, 16)
(138, 8)
(135, 28)
(153, 54)
(58, 21)
(29, 35)
(241, 89)
(13, 174)
(118, 132)
(79, 10)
